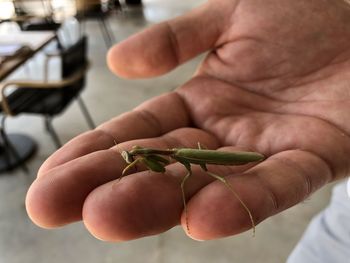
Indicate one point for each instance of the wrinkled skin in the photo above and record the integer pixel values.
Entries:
(276, 81)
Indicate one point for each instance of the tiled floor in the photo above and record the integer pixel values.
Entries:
(21, 241)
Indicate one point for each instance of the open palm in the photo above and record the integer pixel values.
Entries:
(275, 81)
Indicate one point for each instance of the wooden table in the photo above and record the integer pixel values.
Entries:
(15, 149)
(36, 41)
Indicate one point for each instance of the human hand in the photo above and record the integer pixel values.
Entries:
(275, 81)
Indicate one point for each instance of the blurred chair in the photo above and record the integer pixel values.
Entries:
(35, 15)
(99, 10)
(50, 98)
(133, 2)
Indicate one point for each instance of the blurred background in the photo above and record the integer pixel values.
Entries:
(38, 25)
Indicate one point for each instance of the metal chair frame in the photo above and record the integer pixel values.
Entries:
(47, 85)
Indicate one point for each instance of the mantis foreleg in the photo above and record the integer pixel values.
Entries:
(129, 166)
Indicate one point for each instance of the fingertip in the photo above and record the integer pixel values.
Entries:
(132, 208)
(92, 219)
(41, 209)
(121, 64)
(115, 61)
(145, 54)
(33, 209)
(100, 222)
(110, 213)
(186, 229)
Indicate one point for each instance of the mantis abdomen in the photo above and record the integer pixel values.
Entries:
(216, 157)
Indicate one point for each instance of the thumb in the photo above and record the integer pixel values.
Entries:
(164, 46)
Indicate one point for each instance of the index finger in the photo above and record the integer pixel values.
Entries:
(151, 119)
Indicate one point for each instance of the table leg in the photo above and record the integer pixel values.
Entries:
(19, 149)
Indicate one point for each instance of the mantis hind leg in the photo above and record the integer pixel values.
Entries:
(201, 147)
(226, 183)
(189, 173)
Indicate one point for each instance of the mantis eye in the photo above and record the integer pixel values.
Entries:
(127, 157)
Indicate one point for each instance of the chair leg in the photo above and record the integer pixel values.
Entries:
(86, 113)
(7, 145)
(51, 130)
(106, 32)
(59, 44)
(82, 27)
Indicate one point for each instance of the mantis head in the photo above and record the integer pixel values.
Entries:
(127, 157)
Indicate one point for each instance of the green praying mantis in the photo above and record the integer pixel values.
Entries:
(154, 160)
